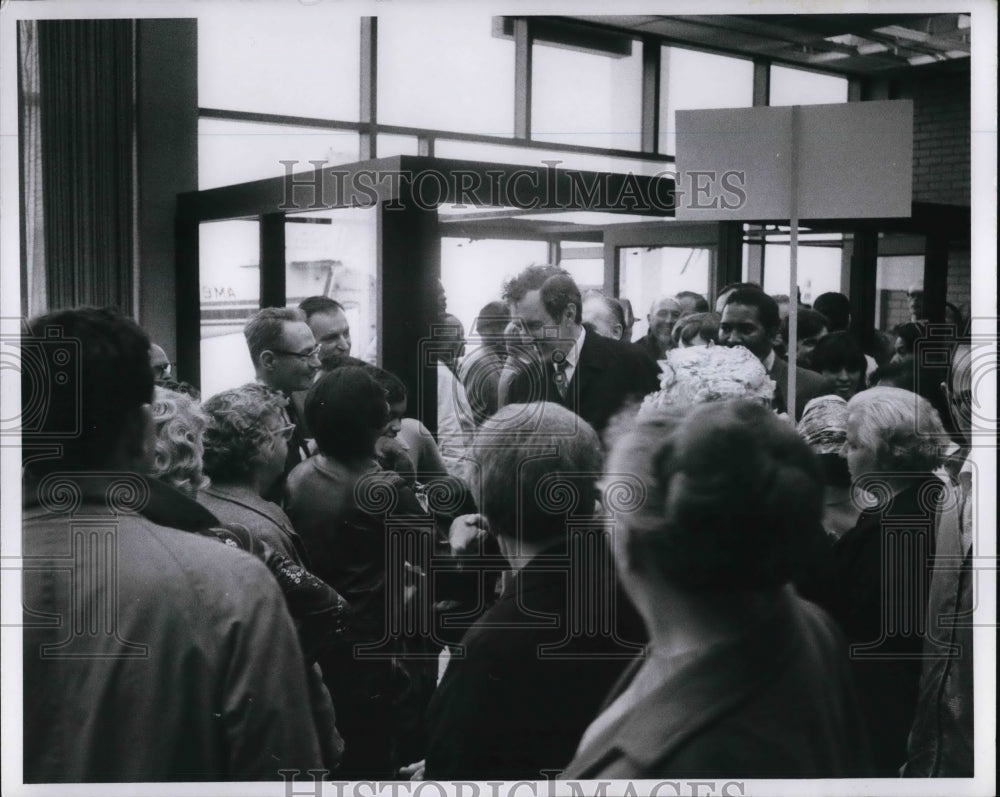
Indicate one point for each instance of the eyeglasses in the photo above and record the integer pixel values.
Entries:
(302, 355)
(162, 370)
(285, 431)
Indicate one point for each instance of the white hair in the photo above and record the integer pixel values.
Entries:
(901, 428)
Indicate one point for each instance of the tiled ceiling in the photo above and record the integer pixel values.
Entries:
(852, 44)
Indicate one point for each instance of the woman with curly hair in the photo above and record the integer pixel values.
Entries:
(319, 612)
(881, 568)
(246, 444)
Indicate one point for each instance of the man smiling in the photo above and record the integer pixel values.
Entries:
(750, 319)
(589, 374)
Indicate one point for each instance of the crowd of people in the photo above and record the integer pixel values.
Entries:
(611, 559)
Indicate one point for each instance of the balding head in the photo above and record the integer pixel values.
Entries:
(663, 314)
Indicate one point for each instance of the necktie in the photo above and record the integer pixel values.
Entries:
(560, 378)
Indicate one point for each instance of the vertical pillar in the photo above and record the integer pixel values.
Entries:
(522, 78)
(729, 255)
(187, 295)
(864, 262)
(167, 159)
(650, 95)
(272, 260)
(409, 267)
(368, 108)
(935, 277)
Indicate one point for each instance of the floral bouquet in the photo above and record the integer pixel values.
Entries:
(701, 374)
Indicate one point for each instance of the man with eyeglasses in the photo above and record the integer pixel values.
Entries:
(286, 358)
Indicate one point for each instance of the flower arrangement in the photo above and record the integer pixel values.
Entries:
(702, 374)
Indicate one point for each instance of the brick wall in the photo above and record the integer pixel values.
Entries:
(941, 135)
(895, 308)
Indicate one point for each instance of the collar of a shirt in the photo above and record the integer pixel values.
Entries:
(573, 355)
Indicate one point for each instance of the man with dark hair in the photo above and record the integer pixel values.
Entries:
(328, 321)
(813, 327)
(591, 375)
(518, 693)
(286, 357)
(750, 319)
(692, 302)
(167, 680)
(603, 315)
(723, 296)
(837, 309)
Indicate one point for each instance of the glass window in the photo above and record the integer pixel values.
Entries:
(237, 152)
(260, 58)
(650, 273)
(445, 72)
(229, 276)
(693, 80)
(586, 98)
(332, 253)
(802, 87)
(894, 274)
(388, 145)
(473, 272)
(819, 269)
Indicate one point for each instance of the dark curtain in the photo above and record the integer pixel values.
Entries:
(86, 71)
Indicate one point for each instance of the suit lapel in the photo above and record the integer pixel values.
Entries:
(779, 373)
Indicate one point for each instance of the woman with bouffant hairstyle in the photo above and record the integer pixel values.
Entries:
(180, 425)
(742, 678)
(246, 445)
(319, 612)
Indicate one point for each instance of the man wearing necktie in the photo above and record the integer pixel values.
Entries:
(750, 319)
(941, 739)
(561, 362)
(286, 358)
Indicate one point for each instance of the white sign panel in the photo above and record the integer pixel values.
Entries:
(850, 160)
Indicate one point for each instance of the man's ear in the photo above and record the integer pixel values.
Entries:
(569, 314)
(266, 360)
(619, 329)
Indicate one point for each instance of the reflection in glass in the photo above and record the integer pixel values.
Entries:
(332, 253)
(651, 273)
(473, 272)
(818, 267)
(229, 278)
(893, 275)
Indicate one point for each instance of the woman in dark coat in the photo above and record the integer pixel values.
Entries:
(364, 532)
(742, 678)
(879, 589)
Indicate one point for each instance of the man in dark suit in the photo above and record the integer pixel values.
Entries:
(560, 362)
(750, 319)
(663, 315)
(530, 675)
